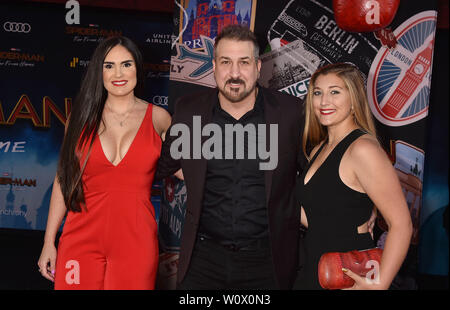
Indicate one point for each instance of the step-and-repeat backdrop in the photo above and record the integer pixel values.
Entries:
(42, 60)
(296, 38)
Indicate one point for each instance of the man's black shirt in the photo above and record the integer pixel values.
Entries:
(234, 204)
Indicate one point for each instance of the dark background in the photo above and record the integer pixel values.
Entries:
(20, 249)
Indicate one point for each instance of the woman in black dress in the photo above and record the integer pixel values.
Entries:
(348, 173)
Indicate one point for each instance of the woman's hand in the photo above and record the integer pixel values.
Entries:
(47, 261)
(179, 174)
(364, 283)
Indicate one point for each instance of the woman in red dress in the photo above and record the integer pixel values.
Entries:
(105, 173)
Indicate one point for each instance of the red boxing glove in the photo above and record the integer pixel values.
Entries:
(364, 15)
(330, 267)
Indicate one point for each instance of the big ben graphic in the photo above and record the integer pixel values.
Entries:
(411, 80)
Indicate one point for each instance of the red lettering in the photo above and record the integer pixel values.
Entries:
(24, 109)
(2, 117)
(48, 106)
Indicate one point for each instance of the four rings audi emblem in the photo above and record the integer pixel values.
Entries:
(17, 27)
(161, 100)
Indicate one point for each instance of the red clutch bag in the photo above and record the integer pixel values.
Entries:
(330, 267)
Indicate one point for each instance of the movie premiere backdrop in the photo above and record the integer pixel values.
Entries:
(296, 38)
(42, 61)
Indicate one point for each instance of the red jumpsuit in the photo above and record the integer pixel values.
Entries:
(114, 244)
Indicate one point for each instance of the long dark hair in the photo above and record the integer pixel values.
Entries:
(85, 118)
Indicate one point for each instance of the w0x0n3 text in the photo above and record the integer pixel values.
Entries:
(227, 299)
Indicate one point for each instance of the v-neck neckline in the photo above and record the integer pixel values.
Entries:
(131, 145)
(328, 156)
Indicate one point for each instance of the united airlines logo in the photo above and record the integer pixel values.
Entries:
(398, 86)
(194, 66)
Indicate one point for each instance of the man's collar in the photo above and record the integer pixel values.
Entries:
(258, 101)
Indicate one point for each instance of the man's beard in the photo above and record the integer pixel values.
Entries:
(234, 95)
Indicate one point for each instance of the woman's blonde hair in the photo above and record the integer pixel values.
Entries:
(314, 132)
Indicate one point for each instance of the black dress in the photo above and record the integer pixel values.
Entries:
(333, 210)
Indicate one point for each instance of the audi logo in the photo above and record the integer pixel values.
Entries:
(160, 100)
(17, 27)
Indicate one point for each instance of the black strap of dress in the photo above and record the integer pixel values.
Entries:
(341, 146)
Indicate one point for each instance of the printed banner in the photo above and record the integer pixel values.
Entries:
(199, 23)
(300, 36)
(399, 86)
(305, 37)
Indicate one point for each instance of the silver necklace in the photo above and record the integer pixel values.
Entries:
(127, 113)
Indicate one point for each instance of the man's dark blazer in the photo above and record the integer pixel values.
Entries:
(283, 210)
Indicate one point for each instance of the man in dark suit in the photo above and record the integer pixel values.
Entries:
(241, 229)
